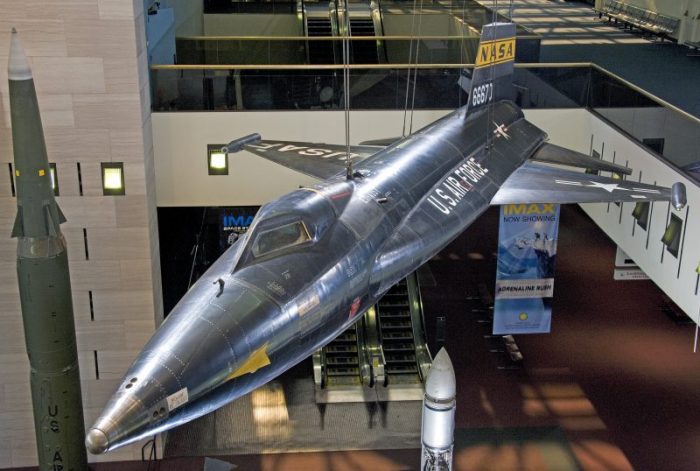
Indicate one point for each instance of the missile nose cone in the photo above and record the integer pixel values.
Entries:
(440, 384)
(96, 441)
(18, 66)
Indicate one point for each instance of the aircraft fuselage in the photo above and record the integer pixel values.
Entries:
(312, 262)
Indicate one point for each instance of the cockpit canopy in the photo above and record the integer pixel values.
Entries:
(299, 219)
(282, 237)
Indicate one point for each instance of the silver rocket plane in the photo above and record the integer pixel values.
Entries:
(44, 282)
(315, 259)
(439, 405)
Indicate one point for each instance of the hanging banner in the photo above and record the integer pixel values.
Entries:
(527, 250)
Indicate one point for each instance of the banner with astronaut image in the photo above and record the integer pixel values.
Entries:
(527, 251)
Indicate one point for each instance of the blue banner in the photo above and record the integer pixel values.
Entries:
(527, 250)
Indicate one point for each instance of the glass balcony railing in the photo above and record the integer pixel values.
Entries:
(666, 130)
(384, 86)
(299, 50)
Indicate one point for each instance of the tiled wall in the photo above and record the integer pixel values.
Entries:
(89, 63)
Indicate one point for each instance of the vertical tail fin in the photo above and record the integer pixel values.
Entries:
(493, 68)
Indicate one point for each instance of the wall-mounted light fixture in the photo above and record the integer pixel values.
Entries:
(641, 214)
(217, 161)
(113, 178)
(672, 236)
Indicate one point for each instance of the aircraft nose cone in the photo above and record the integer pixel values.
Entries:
(96, 441)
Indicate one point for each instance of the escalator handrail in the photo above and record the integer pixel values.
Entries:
(423, 357)
(364, 365)
(373, 345)
(335, 30)
(382, 53)
(304, 26)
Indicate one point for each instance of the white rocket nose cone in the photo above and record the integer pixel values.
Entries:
(18, 66)
(441, 384)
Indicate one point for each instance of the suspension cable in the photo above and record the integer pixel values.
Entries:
(408, 69)
(346, 88)
(415, 73)
(490, 114)
(462, 53)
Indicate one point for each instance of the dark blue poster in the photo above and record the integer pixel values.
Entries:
(527, 250)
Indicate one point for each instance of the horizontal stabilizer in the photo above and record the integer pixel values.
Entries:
(536, 183)
(554, 154)
(313, 159)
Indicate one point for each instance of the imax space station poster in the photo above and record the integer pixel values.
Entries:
(527, 251)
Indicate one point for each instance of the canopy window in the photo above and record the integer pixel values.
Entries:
(288, 235)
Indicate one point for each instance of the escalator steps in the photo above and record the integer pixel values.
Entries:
(401, 369)
(396, 324)
(347, 336)
(399, 347)
(402, 335)
(401, 358)
(394, 313)
(340, 348)
(338, 360)
(343, 371)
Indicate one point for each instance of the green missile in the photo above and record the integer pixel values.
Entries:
(44, 282)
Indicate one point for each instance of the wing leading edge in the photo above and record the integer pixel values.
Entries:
(314, 159)
(536, 183)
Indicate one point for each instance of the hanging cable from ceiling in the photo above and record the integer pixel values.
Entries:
(415, 71)
(199, 239)
(492, 71)
(462, 53)
(408, 69)
(345, 29)
(510, 11)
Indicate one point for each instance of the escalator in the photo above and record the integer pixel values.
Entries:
(382, 357)
(402, 336)
(342, 360)
(320, 52)
(363, 52)
(329, 20)
(396, 335)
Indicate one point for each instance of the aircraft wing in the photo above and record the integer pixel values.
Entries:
(536, 183)
(313, 159)
(554, 154)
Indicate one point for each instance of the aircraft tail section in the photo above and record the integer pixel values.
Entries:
(493, 70)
